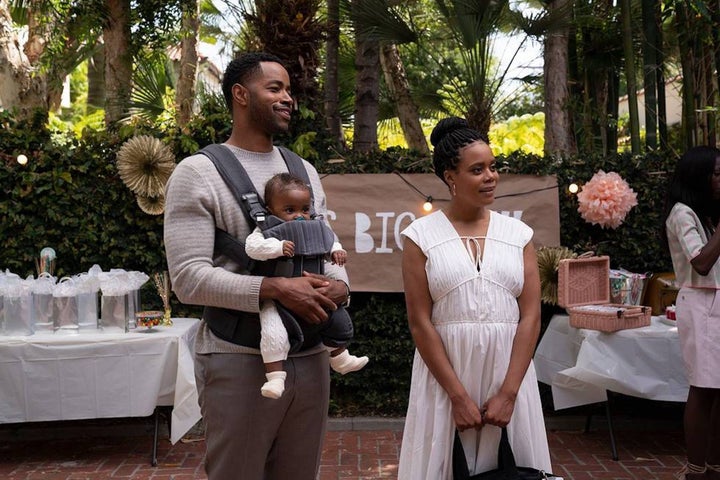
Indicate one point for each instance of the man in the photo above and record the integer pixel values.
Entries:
(249, 436)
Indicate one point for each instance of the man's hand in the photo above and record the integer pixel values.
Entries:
(302, 295)
(336, 290)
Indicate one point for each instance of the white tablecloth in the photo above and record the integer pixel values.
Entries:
(50, 376)
(582, 365)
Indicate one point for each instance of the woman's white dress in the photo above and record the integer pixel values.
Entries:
(475, 312)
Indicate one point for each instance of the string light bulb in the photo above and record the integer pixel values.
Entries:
(573, 188)
(22, 159)
(427, 206)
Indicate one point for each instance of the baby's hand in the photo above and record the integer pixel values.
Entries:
(339, 257)
(288, 248)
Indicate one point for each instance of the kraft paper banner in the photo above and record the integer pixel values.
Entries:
(368, 212)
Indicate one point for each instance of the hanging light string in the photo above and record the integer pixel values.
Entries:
(528, 192)
(429, 199)
(516, 194)
(428, 205)
(407, 182)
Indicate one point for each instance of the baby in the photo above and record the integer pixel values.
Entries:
(288, 198)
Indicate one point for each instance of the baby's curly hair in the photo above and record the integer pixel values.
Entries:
(448, 137)
(281, 182)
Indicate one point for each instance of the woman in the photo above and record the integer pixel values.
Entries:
(472, 293)
(691, 227)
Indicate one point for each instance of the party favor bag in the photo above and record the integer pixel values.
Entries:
(17, 311)
(66, 313)
(42, 290)
(113, 302)
(88, 291)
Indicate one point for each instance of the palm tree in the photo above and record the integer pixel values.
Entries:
(293, 31)
(118, 61)
(629, 53)
(332, 85)
(185, 93)
(457, 47)
(559, 130)
(379, 21)
(651, 39)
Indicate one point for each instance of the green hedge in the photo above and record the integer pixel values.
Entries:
(70, 197)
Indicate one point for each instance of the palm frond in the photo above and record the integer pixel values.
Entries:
(375, 20)
(538, 23)
(152, 78)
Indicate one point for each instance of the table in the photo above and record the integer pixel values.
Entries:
(582, 365)
(50, 376)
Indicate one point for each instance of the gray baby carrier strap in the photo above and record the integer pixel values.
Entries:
(242, 188)
(243, 328)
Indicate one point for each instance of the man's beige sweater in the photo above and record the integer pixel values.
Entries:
(198, 200)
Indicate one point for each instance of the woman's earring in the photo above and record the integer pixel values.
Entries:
(452, 187)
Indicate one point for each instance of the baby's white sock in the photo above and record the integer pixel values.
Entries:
(275, 386)
(346, 363)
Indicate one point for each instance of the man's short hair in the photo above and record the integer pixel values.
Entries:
(242, 68)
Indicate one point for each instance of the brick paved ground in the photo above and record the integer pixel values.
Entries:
(97, 451)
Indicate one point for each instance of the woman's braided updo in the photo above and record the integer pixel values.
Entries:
(448, 137)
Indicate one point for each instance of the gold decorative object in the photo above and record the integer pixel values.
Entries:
(151, 205)
(145, 164)
(162, 282)
(548, 259)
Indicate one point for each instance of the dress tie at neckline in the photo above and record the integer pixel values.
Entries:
(469, 242)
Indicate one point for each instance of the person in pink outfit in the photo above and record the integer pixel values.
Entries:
(692, 231)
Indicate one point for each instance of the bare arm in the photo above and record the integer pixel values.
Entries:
(499, 407)
(466, 413)
(709, 254)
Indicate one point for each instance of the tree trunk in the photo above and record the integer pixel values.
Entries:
(118, 61)
(185, 90)
(19, 87)
(36, 35)
(715, 15)
(613, 110)
(96, 79)
(332, 89)
(367, 95)
(650, 65)
(41, 26)
(688, 65)
(397, 83)
(559, 133)
(291, 30)
(709, 93)
(629, 54)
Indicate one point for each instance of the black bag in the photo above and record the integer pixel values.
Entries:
(506, 470)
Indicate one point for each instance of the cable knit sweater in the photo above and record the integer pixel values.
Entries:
(197, 200)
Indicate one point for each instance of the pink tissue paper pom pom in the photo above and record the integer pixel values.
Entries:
(606, 199)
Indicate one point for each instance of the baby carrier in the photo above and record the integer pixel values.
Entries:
(313, 240)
